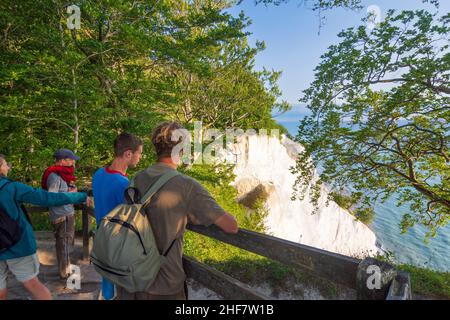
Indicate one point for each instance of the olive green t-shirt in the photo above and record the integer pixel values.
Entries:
(181, 200)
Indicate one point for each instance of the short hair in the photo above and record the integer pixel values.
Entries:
(162, 138)
(126, 141)
(2, 158)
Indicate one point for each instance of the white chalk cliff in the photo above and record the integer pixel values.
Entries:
(263, 162)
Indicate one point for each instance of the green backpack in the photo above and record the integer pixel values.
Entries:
(124, 249)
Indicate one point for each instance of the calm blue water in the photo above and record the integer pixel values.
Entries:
(407, 248)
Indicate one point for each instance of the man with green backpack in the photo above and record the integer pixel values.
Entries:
(139, 245)
(109, 184)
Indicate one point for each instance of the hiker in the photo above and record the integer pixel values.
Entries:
(20, 258)
(109, 184)
(179, 201)
(60, 178)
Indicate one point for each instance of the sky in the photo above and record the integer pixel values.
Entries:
(293, 44)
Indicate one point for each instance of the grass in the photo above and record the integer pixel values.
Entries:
(428, 282)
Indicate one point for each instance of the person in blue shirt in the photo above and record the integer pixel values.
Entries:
(109, 185)
(21, 258)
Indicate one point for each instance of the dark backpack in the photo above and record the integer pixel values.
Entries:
(10, 232)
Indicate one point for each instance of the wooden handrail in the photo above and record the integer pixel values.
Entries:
(228, 287)
(334, 267)
(331, 266)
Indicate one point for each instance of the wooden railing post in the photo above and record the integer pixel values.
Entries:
(86, 222)
(400, 288)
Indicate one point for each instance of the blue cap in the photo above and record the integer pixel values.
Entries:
(64, 154)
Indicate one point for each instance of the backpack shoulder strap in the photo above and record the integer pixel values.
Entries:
(157, 185)
(3, 182)
(145, 200)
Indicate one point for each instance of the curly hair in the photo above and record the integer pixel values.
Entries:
(162, 138)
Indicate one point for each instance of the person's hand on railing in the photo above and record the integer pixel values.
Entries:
(89, 202)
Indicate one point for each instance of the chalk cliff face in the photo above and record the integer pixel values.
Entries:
(262, 169)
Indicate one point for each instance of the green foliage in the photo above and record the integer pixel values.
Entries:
(379, 118)
(365, 215)
(41, 221)
(131, 65)
(344, 201)
(424, 281)
(350, 203)
(428, 282)
(254, 219)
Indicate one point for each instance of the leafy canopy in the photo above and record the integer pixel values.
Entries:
(380, 118)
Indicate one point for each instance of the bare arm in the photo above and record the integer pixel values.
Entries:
(227, 223)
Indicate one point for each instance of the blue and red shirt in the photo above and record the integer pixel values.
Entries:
(108, 187)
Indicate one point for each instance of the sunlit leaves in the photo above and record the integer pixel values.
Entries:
(380, 113)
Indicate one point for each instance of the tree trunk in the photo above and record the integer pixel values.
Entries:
(76, 130)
